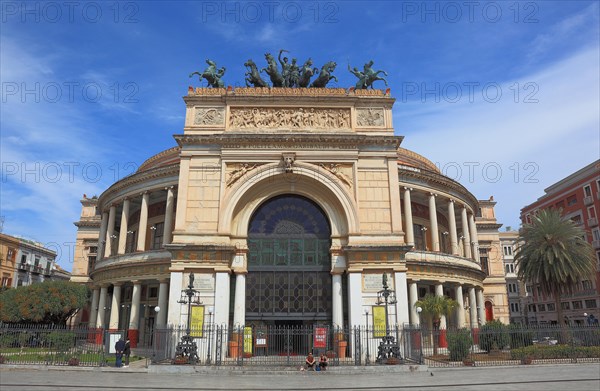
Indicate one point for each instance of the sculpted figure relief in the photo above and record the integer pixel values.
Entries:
(282, 118)
(212, 75)
(240, 172)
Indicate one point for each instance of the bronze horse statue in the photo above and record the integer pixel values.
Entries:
(325, 75)
(273, 71)
(306, 73)
(212, 75)
(367, 77)
(253, 76)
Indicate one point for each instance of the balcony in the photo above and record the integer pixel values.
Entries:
(589, 200)
(23, 266)
(592, 222)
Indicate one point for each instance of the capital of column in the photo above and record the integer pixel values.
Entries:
(408, 188)
(117, 283)
(432, 194)
(163, 280)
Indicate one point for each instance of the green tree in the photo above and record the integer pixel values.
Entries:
(554, 255)
(433, 307)
(47, 302)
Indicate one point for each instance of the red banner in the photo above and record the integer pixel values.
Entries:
(320, 337)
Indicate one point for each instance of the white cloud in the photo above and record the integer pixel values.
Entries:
(533, 144)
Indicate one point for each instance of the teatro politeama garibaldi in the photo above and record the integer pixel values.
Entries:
(288, 205)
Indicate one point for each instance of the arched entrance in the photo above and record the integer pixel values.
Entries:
(289, 280)
(489, 311)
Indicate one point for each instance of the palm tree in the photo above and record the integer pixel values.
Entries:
(433, 307)
(554, 254)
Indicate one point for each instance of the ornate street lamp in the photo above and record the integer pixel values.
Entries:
(388, 347)
(187, 347)
(368, 358)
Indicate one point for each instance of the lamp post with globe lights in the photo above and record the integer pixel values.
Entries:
(187, 347)
(388, 347)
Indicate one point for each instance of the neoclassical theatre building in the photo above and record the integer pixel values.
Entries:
(288, 205)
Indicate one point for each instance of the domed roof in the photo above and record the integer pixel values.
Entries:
(412, 159)
(164, 158)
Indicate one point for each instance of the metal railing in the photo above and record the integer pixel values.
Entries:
(51, 345)
(502, 345)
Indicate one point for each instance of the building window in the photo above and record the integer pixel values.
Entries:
(153, 292)
(572, 200)
(93, 250)
(565, 305)
(131, 242)
(590, 303)
(24, 258)
(483, 257)
(577, 305)
(560, 205)
(542, 307)
(157, 235)
(551, 307)
(587, 191)
(507, 250)
(529, 288)
(420, 234)
(586, 285)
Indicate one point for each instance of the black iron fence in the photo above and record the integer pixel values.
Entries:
(497, 344)
(51, 345)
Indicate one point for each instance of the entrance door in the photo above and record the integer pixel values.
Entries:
(289, 280)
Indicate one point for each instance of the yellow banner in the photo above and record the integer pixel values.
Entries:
(248, 340)
(378, 321)
(197, 322)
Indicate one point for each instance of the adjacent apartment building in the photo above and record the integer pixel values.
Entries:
(578, 196)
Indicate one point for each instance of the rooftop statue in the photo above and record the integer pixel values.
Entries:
(212, 75)
(367, 77)
(285, 69)
(306, 72)
(272, 70)
(325, 75)
(253, 76)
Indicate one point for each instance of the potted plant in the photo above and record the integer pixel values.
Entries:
(342, 344)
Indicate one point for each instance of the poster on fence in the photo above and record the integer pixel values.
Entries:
(320, 337)
(248, 340)
(197, 322)
(378, 321)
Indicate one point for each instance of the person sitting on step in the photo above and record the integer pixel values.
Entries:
(310, 362)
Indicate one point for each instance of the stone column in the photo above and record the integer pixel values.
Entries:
(123, 232)
(439, 291)
(100, 321)
(473, 308)
(239, 306)
(402, 310)
(102, 236)
(134, 318)
(355, 318)
(465, 228)
(435, 237)
(452, 227)
(115, 307)
(110, 230)
(163, 302)
(168, 230)
(143, 225)
(94, 308)
(337, 311)
(473, 229)
(481, 306)
(413, 296)
(460, 311)
(410, 236)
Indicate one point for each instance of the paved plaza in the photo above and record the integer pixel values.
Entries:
(546, 377)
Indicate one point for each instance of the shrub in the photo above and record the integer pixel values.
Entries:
(493, 334)
(555, 352)
(61, 340)
(459, 344)
(519, 336)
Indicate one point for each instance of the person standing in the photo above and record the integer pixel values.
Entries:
(119, 348)
(127, 353)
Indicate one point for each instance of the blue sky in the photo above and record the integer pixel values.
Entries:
(503, 96)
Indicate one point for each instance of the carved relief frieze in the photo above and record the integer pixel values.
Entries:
(209, 116)
(370, 117)
(340, 171)
(238, 171)
(284, 118)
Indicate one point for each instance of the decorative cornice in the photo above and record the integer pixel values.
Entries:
(434, 178)
(139, 177)
(295, 140)
(174, 151)
(283, 91)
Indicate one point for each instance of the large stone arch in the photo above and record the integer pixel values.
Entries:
(307, 180)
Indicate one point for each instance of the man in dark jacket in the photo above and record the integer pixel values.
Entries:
(119, 347)
(127, 353)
